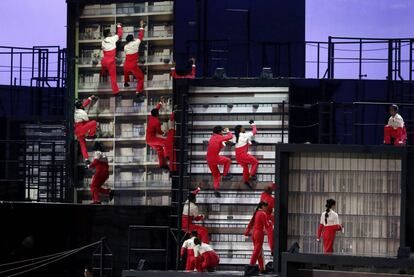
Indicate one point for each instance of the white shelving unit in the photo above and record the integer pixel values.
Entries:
(134, 171)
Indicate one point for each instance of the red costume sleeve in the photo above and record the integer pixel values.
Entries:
(172, 116)
(119, 31)
(320, 228)
(94, 163)
(193, 71)
(86, 102)
(141, 34)
(227, 137)
(254, 129)
(198, 218)
(339, 227)
(173, 73)
(159, 105)
(249, 228)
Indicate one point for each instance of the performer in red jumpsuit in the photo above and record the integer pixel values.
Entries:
(260, 224)
(215, 144)
(188, 248)
(188, 73)
(100, 163)
(395, 128)
(190, 213)
(243, 158)
(153, 133)
(108, 61)
(131, 60)
(169, 146)
(84, 126)
(267, 197)
(328, 226)
(205, 257)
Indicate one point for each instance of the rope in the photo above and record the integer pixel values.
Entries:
(46, 260)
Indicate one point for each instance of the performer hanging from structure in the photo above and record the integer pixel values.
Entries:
(395, 128)
(100, 164)
(154, 133)
(84, 126)
(131, 60)
(267, 197)
(190, 213)
(243, 158)
(169, 146)
(215, 144)
(108, 61)
(205, 257)
(188, 73)
(259, 223)
(188, 248)
(328, 226)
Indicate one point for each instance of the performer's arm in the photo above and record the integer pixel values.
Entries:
(227, 137)
(193, 71)
(183, 248)
(320, 228)
(119, 31)
(93, 163)
(173, 73)
(87, 102)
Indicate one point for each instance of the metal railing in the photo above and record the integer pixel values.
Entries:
(339, 57)
(39, 66)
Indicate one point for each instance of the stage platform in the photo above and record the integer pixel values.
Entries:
(134, 273)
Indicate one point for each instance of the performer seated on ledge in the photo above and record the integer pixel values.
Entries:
(395, 128)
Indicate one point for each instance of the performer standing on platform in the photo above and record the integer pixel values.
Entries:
(108, 61)
(259, 223)
(205, 257)
(154, 132)
(243, 158)
(215, 144)
(395, 128)
(188, 73)
(190, 213)
(169, 146)
(131, 60)
(328, 226)
(84, 126)
(188, 248)
(267, 197)
(100, 164)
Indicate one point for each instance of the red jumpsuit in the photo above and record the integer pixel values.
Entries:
(243, 158)
(214, 159)
(259, 223)
(205, 257)
(154, 129)
(169, 146)
(328, 230)
(84, 126)
(108, 61)
(190, 213)
(395, 129)
(188, 247)
(131, 60)
(269, 199)
(100, 163)
(188, 76)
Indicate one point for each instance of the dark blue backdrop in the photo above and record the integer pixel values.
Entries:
(222, 33)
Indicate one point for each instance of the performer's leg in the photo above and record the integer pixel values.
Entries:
(226, 162)
(140, 78)
(202, 232)
(84, 150)
(112, 75)
(258, 239)
(245, 166)
(216, 175)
